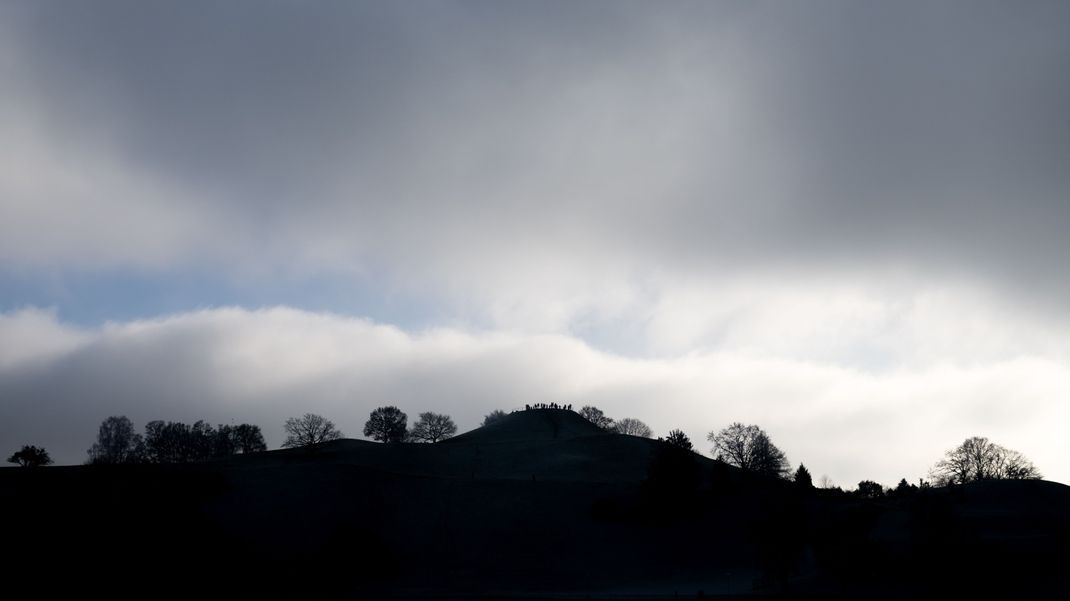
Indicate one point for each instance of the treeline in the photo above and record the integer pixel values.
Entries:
(171, 442)
(750, 448)
(745, 446)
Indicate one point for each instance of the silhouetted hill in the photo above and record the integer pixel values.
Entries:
(530, 426)
(539, 504)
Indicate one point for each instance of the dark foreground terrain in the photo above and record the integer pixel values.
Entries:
(541, 505)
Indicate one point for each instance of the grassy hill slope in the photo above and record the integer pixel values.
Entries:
(541, 503)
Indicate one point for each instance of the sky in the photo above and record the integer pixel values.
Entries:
(841, 221)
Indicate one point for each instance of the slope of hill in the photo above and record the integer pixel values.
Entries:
(530, 426)
(540, 505)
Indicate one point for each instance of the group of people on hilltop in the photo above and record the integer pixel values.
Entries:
(547, 406)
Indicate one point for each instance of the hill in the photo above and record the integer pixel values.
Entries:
(541, 504)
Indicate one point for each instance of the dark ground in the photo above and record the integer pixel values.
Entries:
(540, 506)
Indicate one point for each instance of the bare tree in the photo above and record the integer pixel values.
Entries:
(308, 430)
(117, 442)
(633, 427)
(387, 424)
(977, 458)
(596, 417)
(493, 416)
(30, 456)
(749, 447)
(432, 427)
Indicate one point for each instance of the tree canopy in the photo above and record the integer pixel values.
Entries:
(309, 429)
(633, 427)
(977, 458)
(492, 417)
(868, 489)
(432, 427)
(176, 442)
(749, 447)
(30, 456)
(678, 439)
(117, 442)
(387, 424)
(596, 417)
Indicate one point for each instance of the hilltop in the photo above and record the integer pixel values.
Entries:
(540, 503)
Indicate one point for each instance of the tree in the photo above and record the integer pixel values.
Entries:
(432, 427)
(596, 417)
(904, 489)
(633, 427)
(387, 424)
(868, 489)
(308, 430)
(117, 442)
(202, 440)
(30, 456)
(802, 477)
(248, 439)
(167, 442)
(224, 444)
(678, 439)
(175, 442)
(493, 416)
(749, 447)
(977, 458)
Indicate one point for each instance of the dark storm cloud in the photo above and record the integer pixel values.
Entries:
(668, 135)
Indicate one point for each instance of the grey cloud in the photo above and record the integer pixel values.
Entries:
(498, 154)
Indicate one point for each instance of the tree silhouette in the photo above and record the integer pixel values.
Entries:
(749, 447)
(432, 427)
(387, 424)
(175, 442)
(678, 439)
(492, 417)
(904, 489)
(977, 458)
(633, 427)
(309, 429)
(868, 489)
(117, 442)
(803, 478)
(248, 439)
(167, 442)
(30, 456)
(596, 417)
(202, 440)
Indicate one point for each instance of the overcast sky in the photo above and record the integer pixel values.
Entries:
(842, 221)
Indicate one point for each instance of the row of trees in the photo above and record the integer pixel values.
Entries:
(171, 442)
(745, 446)
(390, 424)
(627, 425)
